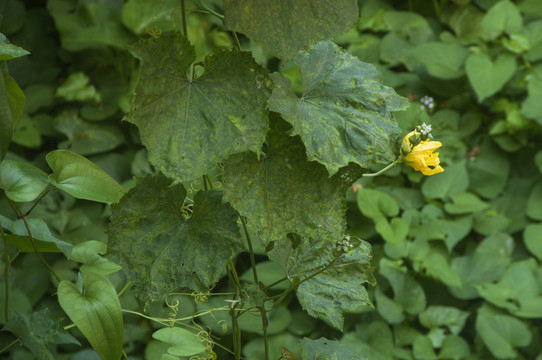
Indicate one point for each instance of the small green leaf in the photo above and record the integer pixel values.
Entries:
(190, 124)
(96, 312)
(504, 16)
(87, 252)
(81, 178)
(488, 77)
(324, 349)
(9, 51)
(12, 102)
(534, 204)
(183, 342)
(489, 171)
(501, 333)
(284, 27)
(38, 331)
(77, 88)
(454, 180)
(436, 316)
(22, 181)
(139, 14)
(454, 347)
(442, 60)
(187, 251)
(532, 237)
(344, 113)
(465, 203)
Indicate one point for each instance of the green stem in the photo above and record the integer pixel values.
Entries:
(124, 289)
(204, 180)
(183, 14)
(236, 330)
(236, 40)
(265, 323)
(38, 200)
(250, 250)
(210, 181)
(276, 282)
(21, 216)
(9, 345)
(383, 170)
(6, 275)
(211, 11)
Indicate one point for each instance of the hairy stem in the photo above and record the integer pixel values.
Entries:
(383, 170)
(183, 14)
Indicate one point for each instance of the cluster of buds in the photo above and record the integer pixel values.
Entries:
(343, 246)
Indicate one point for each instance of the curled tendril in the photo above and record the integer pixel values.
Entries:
(174, 306)
(153, 31)
(199, 297)
(187, 209)
(224, 324)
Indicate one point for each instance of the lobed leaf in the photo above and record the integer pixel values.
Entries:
(189, 125)
(161, 250)
(344, 114)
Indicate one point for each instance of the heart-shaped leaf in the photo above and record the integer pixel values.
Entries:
(182, 341)
(81, 178)
(22, 181)
(96, 312)
(487, 77)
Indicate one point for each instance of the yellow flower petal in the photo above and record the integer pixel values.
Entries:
(422, 158)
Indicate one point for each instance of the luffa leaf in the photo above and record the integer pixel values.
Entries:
(190, 125)
(283, 27)
(160, 249)
(301, 199)
(344, 113)
(338, 288)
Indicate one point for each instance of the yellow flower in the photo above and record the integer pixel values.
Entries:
(421, 156)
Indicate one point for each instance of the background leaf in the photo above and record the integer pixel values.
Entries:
(187, 125)
(272, 23)
(190, 253)
(344, 114)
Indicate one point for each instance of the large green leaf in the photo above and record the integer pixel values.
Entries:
(442, 60)
(283, 27)
(9, 51)
(22, 181)
(338, 288)
(96, 312)
(189, 125)
(302, 198)
(160, 249)
(37, 331)
(504, 16)
(486, 76)
(81, 178)
(344, 113)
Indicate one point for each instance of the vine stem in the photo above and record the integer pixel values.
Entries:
(22, 217)
(211, 11)
(38, 200)
(183, 14)
(9, 345)
(236, 331)
(250, 250)
(6, 274)
(383, 170)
